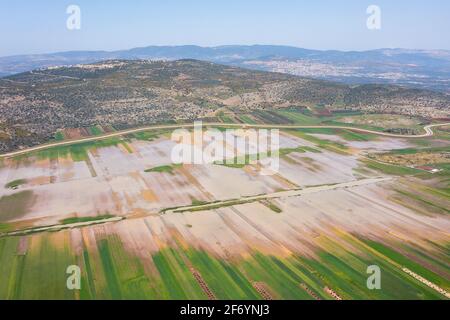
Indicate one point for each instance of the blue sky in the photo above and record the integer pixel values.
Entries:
(28, 26)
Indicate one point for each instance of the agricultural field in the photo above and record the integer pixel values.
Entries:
(142, 227)
(383, 120)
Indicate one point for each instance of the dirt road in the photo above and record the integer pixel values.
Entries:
(281, 194)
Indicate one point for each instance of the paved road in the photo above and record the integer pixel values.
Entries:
(428, 132)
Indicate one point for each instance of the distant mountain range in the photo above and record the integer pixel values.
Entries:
(428, 69)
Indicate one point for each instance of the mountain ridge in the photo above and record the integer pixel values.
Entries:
(428, 69)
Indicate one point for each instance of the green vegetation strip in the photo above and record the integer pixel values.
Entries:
(390, 169)
(65, 224)
(15, 205)
(164, 169)
(272, 206)
(321, 143)
(16, 183)
(416, 197)
(86, 219)
(78, 151)
(111, 270)
(419, 150)
(209, 206)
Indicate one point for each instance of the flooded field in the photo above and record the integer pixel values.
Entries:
(222, 231)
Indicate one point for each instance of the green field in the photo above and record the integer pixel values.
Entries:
(59, 136)
(15, 183)
(15, 205)
(321, 143)
(390, 169)
(96, 131)
(85, 219)
(247, 119)
(110, 271)
(145, 135)
(164, 169)
(77, 151)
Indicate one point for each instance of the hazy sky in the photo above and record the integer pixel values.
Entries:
(28, 26)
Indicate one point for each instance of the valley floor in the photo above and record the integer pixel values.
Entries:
(140, 227)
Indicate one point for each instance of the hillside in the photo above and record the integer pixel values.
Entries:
(428, 69)
(123, 94)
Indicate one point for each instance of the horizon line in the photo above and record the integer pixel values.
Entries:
(218, 46)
